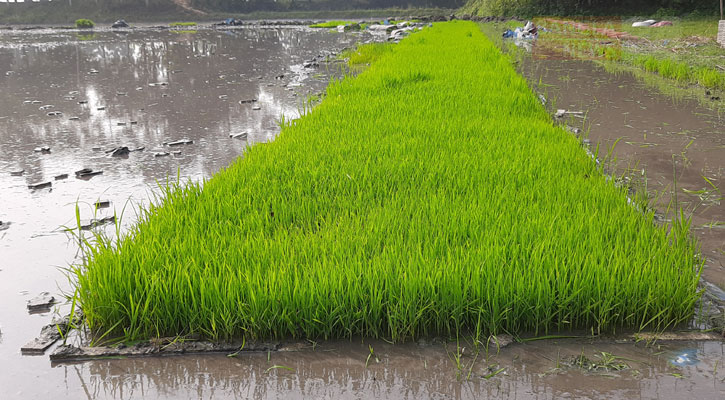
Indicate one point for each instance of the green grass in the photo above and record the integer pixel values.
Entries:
(84, 23)
(430, 195)
(673, 58)
(332, 24)
(364, 55)
(182, 24)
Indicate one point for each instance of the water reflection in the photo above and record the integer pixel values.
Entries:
(137, 89)
(338, 370)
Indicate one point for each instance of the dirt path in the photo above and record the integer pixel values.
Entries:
(186, 5)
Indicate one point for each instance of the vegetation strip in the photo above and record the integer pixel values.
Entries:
(430, 195)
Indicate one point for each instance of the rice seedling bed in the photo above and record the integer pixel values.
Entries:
(429, 195)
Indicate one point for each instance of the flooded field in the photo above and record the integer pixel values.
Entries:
(653, 137)
(85, 96)
(82, 96)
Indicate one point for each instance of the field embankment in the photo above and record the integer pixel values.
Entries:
(685, 52)
(430, 195)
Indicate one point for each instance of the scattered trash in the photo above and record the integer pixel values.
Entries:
(529, 31)
(542, 99)
(179, 142)
(17, 172)
(41, 303)
(684, 358)
(103, 204)
(231, 22)
(573, 130)
(242, 135)
(93, 71)
(100, 108)
(662, 23)
(40, 185)
(256, 108)
(120, 124)
(161, 154)
(74, 118)
(60, 177)
(46, 107)
(643, 24)
(49, 334)
(42, 149)
(54, 113)
(278, 77)
(83, 102)
(249, 101)
(310, 64)
(158, 84)
(98, 222)
(4, 225)
(561, 113)
(120, 24)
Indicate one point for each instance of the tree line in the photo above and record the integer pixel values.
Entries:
(585, 7)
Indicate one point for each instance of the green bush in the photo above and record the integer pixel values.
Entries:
(84, 24)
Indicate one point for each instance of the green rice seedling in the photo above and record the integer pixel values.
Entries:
(710, 78)
(332, 24)
(84, 23)
(430, 195)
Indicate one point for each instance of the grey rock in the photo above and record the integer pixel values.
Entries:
(119, 24)
(61, 176)
(43, 150)
(40, 185)
(119, 151)
(49, 334)
(41, 302)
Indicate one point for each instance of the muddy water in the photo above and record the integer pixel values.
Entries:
(135, 89)
(344, 370)
(657, 139)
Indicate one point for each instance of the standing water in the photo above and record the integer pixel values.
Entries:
(179, 96)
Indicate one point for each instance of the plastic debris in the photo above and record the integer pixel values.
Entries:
(643, 24)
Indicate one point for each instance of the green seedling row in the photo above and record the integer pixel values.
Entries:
(430, 195)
